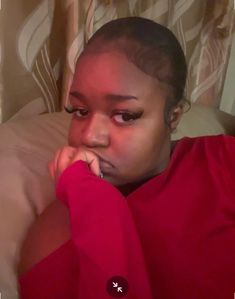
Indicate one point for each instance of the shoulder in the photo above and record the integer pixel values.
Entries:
(217, 149)
(220, 141)
(48, 232)
(221, 146)
(218, 152)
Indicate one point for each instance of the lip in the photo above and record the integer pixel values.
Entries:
(105, 165)
(104, 162)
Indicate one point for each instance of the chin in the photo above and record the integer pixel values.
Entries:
(114, 181)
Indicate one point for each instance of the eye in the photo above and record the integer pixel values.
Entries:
(121, 117)
(79, 112)
(126, 117)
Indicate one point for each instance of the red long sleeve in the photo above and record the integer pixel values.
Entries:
(181, 221)
(104, 234)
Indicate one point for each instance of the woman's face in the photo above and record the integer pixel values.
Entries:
(120, 117)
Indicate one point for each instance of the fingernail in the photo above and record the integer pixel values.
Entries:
(101, 175)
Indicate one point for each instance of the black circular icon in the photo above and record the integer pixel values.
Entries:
(117, 286)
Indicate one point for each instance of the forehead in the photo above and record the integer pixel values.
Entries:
(112, 72)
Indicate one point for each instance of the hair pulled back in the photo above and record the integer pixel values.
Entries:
(150, 46)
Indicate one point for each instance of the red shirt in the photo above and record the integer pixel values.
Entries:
(171, 238)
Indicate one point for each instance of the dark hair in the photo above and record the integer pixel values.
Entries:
(150, 46)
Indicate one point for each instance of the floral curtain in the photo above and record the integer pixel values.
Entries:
(42, 39)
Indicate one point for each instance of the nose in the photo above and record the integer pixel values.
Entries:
(95, 132)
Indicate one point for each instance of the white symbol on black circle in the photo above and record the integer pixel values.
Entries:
(117, 286)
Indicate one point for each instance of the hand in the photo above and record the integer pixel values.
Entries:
(67, 155)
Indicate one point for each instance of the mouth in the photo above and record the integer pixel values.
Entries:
(105, 166)
(104, 162)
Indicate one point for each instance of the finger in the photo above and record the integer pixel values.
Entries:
(55, 163)
(94, 165)
(65, 158)
(51, 169)
(90, 158)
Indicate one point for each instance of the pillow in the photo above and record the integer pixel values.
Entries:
(201, 120)
(26, 188)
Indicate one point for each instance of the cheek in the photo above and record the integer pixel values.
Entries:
(131, 148)
(74, 134)
(143, 146)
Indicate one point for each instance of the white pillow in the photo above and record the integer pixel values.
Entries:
(202, 120)
(26, 188)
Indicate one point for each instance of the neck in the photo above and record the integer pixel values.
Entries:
(129, 188)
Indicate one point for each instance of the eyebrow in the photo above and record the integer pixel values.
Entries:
(112, 97)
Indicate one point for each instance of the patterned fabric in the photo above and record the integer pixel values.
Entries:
(31, 54)
(40, 47)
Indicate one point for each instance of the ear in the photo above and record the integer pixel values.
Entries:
(175, 116)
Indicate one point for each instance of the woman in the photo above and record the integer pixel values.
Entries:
(137, 215)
